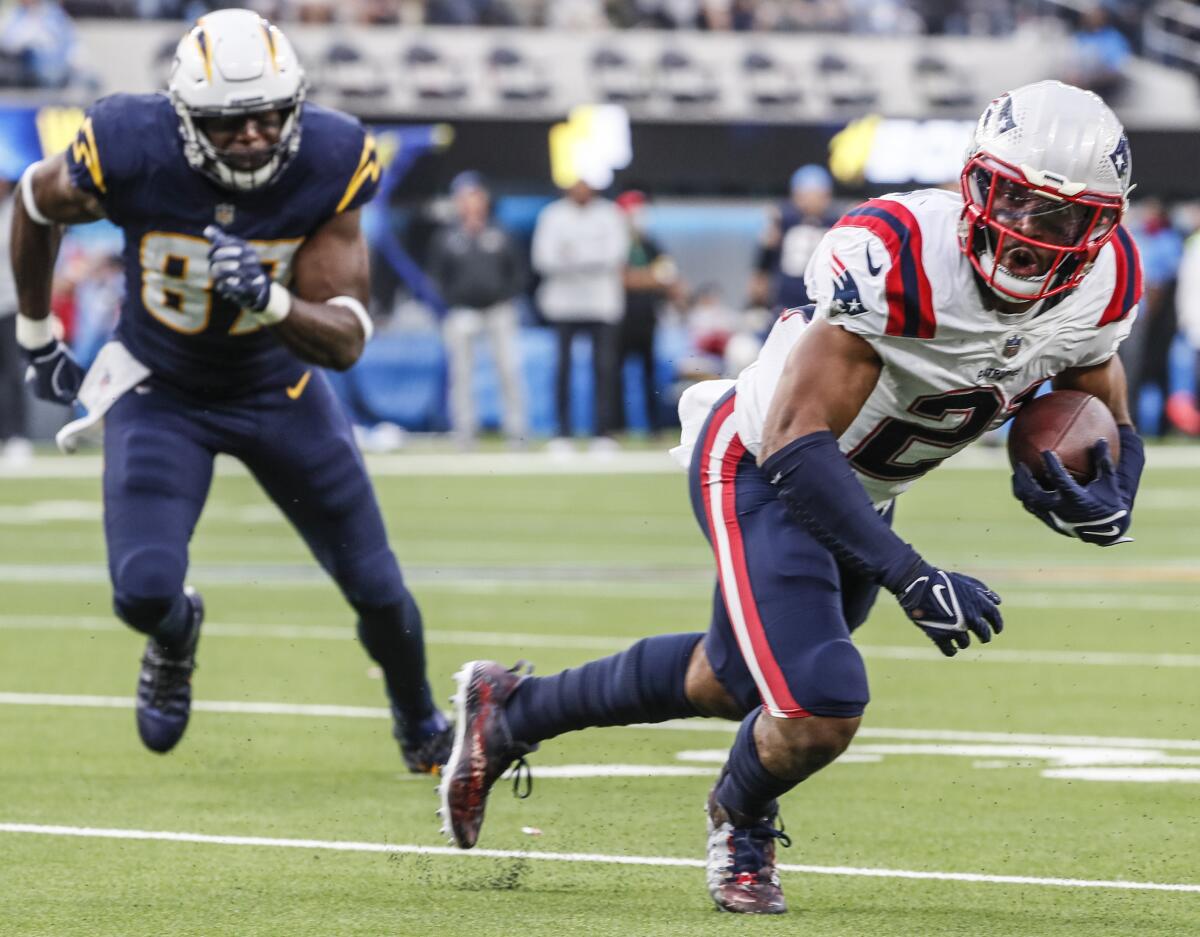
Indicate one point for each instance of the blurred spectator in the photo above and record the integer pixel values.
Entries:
(1182, 407)
(479, 272)
(469, 13)
(14, 446)
(580, 244)
(794, 229)
(1099, 55)
(38, 38)
(651, 276)
(1146, 354)
(98, 293)
(575, 14)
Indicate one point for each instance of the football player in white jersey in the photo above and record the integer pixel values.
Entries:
(936, 316)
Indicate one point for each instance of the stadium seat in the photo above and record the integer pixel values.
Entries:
(682, 80)
(619, 79)
(516, 77)
(844, 84)
(434, 77)
(768, 82)
(941, 85)
(347, 72)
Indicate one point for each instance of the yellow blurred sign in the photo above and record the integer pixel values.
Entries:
(590, 146)
(850, 149)
(57, 127)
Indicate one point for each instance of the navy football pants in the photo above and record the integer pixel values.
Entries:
(783, 609)
(158, 463)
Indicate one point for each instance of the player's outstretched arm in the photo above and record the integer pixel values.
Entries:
(828, 377)
(1101, 511)
(45, 201)
(323, 318)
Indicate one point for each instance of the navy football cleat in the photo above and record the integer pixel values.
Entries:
(483, 747)
(741, 861)
(427, 748)
(164, 691)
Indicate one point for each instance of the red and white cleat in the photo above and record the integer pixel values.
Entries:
(741, 862)
(483, 747)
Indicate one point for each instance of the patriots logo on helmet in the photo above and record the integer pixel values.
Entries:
(1120, 156)
(845, 291)
(1004, 118)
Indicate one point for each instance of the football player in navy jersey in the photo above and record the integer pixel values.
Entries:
(246, 272)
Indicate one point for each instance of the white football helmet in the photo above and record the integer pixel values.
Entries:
(1044, 186)
(233, 62)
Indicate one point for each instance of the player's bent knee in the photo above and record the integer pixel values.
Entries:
(832, 680)
(146, 583)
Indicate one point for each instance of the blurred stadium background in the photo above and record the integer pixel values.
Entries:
(707, 107)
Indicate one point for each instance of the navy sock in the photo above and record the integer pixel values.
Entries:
(747, 787)
(167, 621)
(645, 683)
(394, 637)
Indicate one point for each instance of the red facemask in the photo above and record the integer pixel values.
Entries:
(1030, 241)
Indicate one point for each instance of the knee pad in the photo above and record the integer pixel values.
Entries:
(832, 680)
(146, 584)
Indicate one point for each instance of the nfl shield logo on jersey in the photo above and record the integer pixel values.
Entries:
(223, 214)
(1012, 345)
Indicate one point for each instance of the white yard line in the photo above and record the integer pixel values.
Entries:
(689, 584)
(687, 725)
(585, 857)
(472, 638)
(648, 461)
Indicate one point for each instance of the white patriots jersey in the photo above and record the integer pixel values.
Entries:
(891, 271)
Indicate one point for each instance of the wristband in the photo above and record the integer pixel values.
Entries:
(34, 334)
(821, 491)
(1130, 463)
(349, 302)
(279, 304)
(27, 199)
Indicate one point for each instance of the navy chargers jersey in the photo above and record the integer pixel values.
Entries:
(799, 236)
(129, 153)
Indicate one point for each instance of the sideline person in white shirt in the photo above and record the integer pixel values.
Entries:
(580, 246)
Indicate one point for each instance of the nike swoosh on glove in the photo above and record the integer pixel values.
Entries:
(53, 372)
(1098, 512)
(949, 607)
(237, 273)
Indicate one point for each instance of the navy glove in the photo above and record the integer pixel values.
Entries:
(1098, 512)
(949, 606)
(53, 372)
(237, 273)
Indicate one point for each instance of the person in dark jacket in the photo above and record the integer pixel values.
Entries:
(651, 277)
(478, 270)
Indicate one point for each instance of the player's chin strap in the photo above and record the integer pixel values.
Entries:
(27, 199)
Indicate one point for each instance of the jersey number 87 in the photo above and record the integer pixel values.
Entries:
(177, 290)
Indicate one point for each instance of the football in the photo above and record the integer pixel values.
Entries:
(1066, 422)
